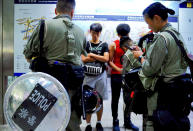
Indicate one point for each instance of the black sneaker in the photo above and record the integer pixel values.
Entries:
(130, 125)
(88, 128)
(99, 127)
(116, 125)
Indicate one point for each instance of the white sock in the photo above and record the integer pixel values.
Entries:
(88, 123)
(98, 121)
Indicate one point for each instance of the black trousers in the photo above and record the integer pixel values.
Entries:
(116, 83)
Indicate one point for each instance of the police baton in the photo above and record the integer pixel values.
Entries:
(83, 104)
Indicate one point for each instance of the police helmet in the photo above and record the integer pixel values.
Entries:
(92, 99)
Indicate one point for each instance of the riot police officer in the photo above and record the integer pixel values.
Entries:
(163, 57)
(63, 45)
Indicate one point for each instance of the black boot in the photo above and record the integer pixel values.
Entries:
(128, 124)
(116, 125)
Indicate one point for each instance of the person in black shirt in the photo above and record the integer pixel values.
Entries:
(95, 69)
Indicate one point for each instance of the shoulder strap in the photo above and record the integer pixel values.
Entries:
(90, 45)
(179, 43)
(97, 46)
(41, 35)
(184, 54)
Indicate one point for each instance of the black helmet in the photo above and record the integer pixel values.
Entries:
(92, 99)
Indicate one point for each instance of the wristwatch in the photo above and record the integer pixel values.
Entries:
(139, 58)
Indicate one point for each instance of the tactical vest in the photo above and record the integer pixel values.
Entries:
(63, 41)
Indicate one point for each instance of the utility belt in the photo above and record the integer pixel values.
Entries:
(71, 76)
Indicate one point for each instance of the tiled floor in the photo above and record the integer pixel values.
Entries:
(107, 117)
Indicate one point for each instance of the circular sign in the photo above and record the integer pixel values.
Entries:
(37, 101)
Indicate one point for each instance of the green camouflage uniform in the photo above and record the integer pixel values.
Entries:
(129, 62)
(163, 58)
(63, 42)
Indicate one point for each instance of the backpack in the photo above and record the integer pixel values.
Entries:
(134, 94)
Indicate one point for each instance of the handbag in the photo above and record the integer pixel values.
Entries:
(40, 63)
(175, 95)
(135, 95)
